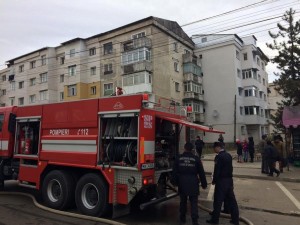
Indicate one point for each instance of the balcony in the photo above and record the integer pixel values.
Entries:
(137, 83)
(192, 77)
(137, 67)
(137, 43)
(190, 58)
(196, 117)
(192, 68)
(193, 95)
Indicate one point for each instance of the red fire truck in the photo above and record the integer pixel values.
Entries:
(95, 153)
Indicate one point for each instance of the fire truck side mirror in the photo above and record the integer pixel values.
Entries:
(12, 123)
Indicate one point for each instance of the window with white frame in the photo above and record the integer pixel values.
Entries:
(265, 97)
(251, 110)
(93, 90)
(108, 89)
(43, 95)
(32, 64)
(250, 92)
(237, 54)
(258, 61)
(108, 68)
(32, 81)
(238, 71)
(21, 84)
(177, 89)
(32, 98)
(72, 70)
(12, 86)
(61, 96)
(240, 90)
(12, 100)
(92, 51)
(262, 112)
(176, 67)
(138, 35)
(259, 78)
(135, 56)
(264, 81)
(262, 65)
(93, 70)
(62, 60)
(245, 56)
(21, 68)
(241, 110)
(3, 92)
(62, 78)
(108, 48)
(72, 90)
(247, 74)
(72, 53)
(192, 87)
(21, 101)
(175, 46)
(136, 79)
(44, 77)
(44, 60)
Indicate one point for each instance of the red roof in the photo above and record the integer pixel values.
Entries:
(291, 116)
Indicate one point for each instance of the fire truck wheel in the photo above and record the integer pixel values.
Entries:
(58, 189)
(91, 195)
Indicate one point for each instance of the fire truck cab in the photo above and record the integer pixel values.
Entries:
(97, 153)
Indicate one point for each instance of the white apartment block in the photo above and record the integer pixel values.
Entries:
(233, 68)
(151, 55)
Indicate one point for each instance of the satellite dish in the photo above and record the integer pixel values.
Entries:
(215, 113)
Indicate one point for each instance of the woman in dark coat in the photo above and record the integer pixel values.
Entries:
(251, 148)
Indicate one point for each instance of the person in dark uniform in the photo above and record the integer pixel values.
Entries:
(271, 154)
(199, 146)
(222, 179)
(187, 171)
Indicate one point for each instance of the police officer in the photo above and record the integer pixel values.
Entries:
(186, 173)
(222, 179)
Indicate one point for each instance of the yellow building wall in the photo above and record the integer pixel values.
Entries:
(83, 91)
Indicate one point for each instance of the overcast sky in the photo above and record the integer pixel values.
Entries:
(27, 25)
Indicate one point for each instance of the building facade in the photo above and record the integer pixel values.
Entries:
(151, 55)
(236, 83)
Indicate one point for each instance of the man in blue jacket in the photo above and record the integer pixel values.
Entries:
(187, 171)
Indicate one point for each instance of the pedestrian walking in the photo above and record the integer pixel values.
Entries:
(278, 144)
(245, 150)
(199, 146)
(222, 179)
(261, 147)
(239, 151)
(271, 156)
(251, 148)
(187, 171)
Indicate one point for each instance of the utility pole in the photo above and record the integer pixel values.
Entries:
(234, 132)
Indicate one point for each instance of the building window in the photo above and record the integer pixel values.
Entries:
(250, 92)
(176, 66)
(12, 85)
(3, 91)
(62, 60)
(259, 78)
(136, 56)
(21, 101)
(44, 77)
(32, 81)
(72, 53)
(62, 78)
(265, 97)
(93, 90)
(262, 112)
(192, 87)
(238, 71)
(72, 90)
(245, 56)
(261, 94)
(237, 54)
(32, 64)
(44, 60)
(175, 46)
(264, 81)
(93, 70)
(241, 110)
(61, 96)
(204, 39)
(247, 74)
(243, 130)
(43, 95)
(21, 84)
(72, 70)
(262, 65)
(92, 51)
(108, 89)
(108, 48)
(108, 68)
(258, 61)
(12, 100)
(251, 110)
(21, 68)
(240, 89)
(177, 87)
(138, 35)
(136, 79)
(4, 78)
(32, 98)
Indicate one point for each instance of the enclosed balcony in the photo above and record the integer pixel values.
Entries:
(196, 117)
(137, 67)
(137, 43)
(193, 95)
(190, 58)
(192, 77)
(137, 83)
(192, 68)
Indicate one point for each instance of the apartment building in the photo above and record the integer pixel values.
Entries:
(151, 55)
(236, 83)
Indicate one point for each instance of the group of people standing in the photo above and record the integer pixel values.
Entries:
(188, 171)
(245, 149)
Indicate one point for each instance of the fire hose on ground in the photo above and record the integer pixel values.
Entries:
(97, 219)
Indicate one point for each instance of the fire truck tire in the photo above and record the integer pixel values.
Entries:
(58, 189)
(91, 195)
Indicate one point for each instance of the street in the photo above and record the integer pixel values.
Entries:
(262, 200)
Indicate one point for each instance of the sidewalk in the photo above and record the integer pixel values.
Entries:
(252, 170)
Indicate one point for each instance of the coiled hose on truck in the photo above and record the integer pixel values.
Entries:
(97, 219)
